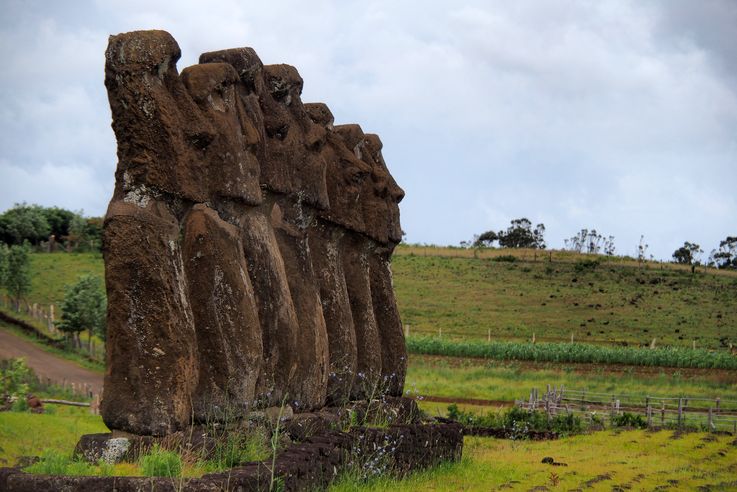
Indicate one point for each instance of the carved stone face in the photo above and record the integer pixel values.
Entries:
(385, 188)
(380, 195)
(292, 162)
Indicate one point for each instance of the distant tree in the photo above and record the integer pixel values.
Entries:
(688, 254)
(59, 221)
(590, 241)
(84, 308)
(609, 247)
(642, 250)
(520, 234)
(17, 275)
(24, 223)
(4, 252)
(486, 239)
(726, 255)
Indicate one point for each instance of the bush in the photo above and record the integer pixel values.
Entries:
(519, 422)
(584, 266)
(505, 258)
(161, 463)
(628, 419)
(14, 379)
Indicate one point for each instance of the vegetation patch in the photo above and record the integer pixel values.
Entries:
(573, 352)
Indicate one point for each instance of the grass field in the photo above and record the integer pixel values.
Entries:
(606, 460)
(507, 381)
(51, 272)
(613, 301)
(28, 434)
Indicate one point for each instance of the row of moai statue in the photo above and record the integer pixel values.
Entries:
(247, 244)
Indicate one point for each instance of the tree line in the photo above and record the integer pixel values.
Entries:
(521, 234)
(50, 228)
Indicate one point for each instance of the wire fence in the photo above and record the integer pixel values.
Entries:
(714, 415)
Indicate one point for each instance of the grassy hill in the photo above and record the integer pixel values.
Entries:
(512, 294)
(515, 293)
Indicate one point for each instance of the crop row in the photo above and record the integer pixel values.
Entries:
(574, 352)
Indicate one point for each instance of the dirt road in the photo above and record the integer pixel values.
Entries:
(46, 365)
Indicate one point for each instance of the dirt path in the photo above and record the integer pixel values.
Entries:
(46, 365)
(465, 401)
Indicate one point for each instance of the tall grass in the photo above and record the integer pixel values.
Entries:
(573, 352)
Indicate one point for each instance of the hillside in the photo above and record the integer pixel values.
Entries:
(550, 294)
(556, 294)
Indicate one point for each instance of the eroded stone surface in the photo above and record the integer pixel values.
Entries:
(247, 244)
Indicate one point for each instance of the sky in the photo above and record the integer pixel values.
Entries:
(615, 115)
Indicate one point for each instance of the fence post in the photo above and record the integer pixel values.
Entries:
(680, 411)
(662, 414)
(649, 415)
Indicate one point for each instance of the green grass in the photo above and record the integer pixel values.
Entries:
(507, 381)
(606, 460)
(27, 434)
(614, 302)
(50, 273)
(574, 352)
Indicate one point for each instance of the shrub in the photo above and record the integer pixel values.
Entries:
(519, 422)
(584, 266)
(14, 378)
(505, 258)
(628, 419)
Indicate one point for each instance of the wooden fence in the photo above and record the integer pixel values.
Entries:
(44, 314)
(658, 412)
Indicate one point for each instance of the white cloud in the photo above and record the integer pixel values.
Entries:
(69, 186)
(617, 115)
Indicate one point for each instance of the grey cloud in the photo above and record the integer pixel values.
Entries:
(615, 114)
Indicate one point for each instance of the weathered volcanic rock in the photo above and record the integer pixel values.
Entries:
(247, 244)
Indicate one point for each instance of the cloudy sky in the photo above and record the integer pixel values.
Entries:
(616, 115)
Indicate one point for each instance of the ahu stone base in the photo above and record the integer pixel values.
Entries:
(309, 465)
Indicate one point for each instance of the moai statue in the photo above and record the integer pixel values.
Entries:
(247, 244)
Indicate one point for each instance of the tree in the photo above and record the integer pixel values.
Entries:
(17, 277)
(59, 221)
(642, 250)
(24, 223)
(4, 252)
(486, 239)
(726, 255)
(521, 235)
(84, 308)
(688, 254)
(590, 241)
